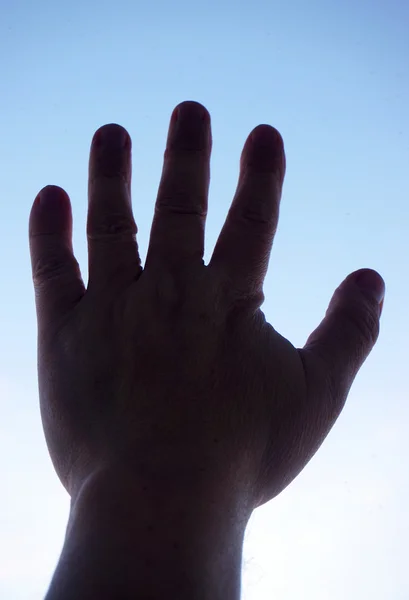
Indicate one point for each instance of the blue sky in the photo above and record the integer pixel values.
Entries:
(333, 77)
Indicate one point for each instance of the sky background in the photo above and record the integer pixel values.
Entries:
(333, 77)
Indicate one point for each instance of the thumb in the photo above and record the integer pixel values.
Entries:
(56, 275)
(336, 350)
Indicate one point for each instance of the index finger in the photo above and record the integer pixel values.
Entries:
(243, 249)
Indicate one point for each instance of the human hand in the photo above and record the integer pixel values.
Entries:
(171, 369)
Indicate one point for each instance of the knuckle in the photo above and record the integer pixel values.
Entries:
(186, 152)
(257, 201)
(366, 322)
(48, 269)
(255, 213)
(244, 301)
(182, 203)
(120, 227)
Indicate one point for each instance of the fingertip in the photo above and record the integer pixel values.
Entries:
(110, 135)
(110, 155)
(51, 211)
(189, 129)
(267, 133)
(49, 193)
(264, 151)
(190, 109)
(370, 282)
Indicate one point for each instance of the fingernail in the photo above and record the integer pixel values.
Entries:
(51, 209)
(265, 151)
(111, 152)
(174, 116)
(371, 282)
(50, 197)
(189, 127)
(190, 110)
(111, 136)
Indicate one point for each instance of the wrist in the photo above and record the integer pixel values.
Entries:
(183, 542)
(125, 494)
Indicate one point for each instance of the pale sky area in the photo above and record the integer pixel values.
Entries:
(333, 77)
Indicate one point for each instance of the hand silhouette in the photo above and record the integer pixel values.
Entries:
(171, 369)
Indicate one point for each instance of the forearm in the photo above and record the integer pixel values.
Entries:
(127, 541)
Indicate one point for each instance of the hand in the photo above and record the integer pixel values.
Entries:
(170, 370)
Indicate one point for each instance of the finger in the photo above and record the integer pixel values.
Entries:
(336, 350)
(177, 232)
(56, 275)
(243, 249)
(112, 249)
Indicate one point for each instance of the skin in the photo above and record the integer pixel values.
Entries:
(171, 408)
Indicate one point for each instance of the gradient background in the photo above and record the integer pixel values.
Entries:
(333, 77)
